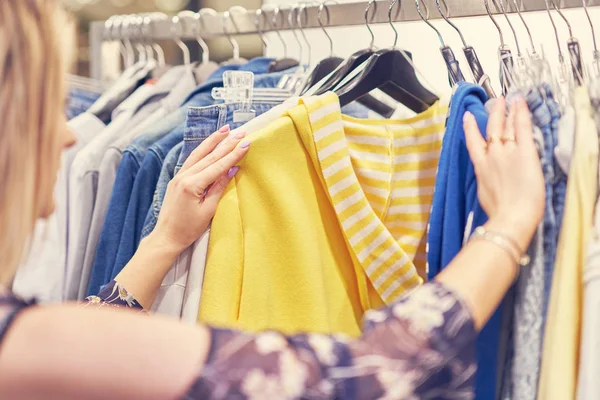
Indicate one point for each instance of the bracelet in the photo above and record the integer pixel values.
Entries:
(504, 242)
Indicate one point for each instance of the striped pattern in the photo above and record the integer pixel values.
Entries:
(380, 176)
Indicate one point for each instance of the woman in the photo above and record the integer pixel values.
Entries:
(422, 346)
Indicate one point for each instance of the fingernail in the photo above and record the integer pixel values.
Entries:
(518, 99)
(245, 144)
(240, 135)
(224, 129)
(467, 117)
(232, 171)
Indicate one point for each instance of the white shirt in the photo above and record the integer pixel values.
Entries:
(41, 275)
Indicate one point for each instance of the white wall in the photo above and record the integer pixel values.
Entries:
(422, 41)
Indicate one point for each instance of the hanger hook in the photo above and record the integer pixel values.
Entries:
(302, 12)
(489, 12)
(446, 17)
(425, 19)
(390, 9)
(200, 27)
(258, 16)
(274, 23)
(322, 7)
(128, 25)
(518, 10)
(560, 54)
(596, 61)
(145, 39)
(291, 15)
(175, 24)
(512, 28)
(229, 14)
(560, 13)
(374, 4)
(147, 31)
(234, 44)
(118, 25)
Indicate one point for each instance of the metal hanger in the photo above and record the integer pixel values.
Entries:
(228, 17)
(518, 10)
(290, 20)
(512, 28)
(354, 61)
(148, 21)
(574, 49)
(144, 40)
(455, 74)
(258, 17)
(130, 25)
(176, 27)
(326, 66)
(504, 53)
(303, 13)
(285, 63)
(116, 32)
(476, 68)
(596, 54)
(391, 72)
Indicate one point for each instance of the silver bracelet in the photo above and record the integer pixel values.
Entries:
(504, 242)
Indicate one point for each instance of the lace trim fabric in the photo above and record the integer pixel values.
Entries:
(113, 295)
(421, 347)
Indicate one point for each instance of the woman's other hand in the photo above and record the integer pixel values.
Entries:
(194, 193)
(510, 181)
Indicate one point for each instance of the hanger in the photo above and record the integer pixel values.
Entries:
(329, 64)
(258, 15)
(596, 54)
(138, 26)
(574, 49)
(480, 76)
(504, 53)
(284, 63)
(348, 67)
(455, 74)
(116, 33)
(392, 71)
(107, 35)
(228, 17)
(352, 62)
(176, 26)
(147, 31)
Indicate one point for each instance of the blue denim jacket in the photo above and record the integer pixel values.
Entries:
(79, 101)
(114, 248)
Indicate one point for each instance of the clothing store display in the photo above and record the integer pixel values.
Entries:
(560, 358)
(319, 274)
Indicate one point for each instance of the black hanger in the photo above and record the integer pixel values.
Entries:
(480, 77)
(455, 74)
(393, 73)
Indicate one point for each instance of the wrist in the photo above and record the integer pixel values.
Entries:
(517, 229)
(161, 246)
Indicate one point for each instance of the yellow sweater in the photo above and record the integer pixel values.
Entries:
(560, 357)
(325, 219)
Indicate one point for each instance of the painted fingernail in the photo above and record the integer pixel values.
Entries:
(232, 171)
(224, 129)
(240, 135)
(245, 144)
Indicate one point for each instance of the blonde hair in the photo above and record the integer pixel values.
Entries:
(36, 43)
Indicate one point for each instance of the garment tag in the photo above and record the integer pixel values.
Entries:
(240, 117)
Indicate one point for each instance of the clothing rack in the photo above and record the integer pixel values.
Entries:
(239, 21)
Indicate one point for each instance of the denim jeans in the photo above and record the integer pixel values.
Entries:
(200, 123)
(79, 101)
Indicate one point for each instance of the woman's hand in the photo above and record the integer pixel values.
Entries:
(510, 182)
(194, 193)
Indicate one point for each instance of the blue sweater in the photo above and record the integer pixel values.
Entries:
(456, 209)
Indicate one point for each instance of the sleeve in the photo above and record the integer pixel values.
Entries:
(422, 346)
(113, 295)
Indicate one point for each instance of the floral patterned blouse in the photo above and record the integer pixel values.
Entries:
(421, 347)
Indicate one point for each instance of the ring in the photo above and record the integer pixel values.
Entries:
(493, 139)
(508, 138)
